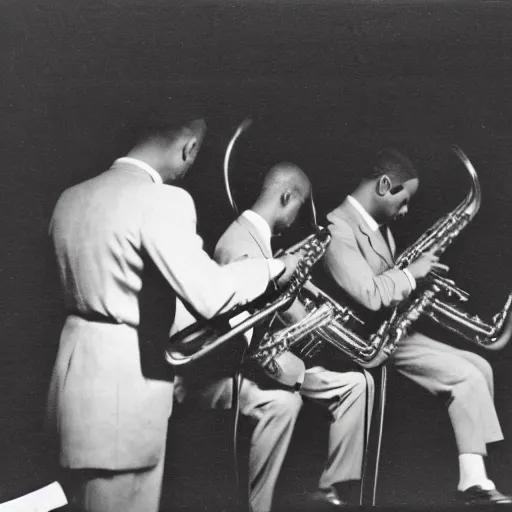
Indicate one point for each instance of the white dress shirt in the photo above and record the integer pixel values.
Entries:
(374, 226)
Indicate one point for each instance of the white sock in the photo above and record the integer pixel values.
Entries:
(472, 472)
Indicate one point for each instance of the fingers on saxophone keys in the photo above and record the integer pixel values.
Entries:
(440, 266)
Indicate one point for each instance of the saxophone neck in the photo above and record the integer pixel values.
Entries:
(439, 236)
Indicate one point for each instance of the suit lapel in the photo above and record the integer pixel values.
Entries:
(375, 238)
(248, 226)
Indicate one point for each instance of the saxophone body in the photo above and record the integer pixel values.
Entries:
(201, 338)
(328, 322)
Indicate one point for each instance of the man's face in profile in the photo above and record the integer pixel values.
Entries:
(398, 199)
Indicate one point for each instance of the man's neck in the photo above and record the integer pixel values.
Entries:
(152, 160)
(364, 196)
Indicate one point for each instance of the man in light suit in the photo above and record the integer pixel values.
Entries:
(111, 414)
(360, 260)
(273, 410)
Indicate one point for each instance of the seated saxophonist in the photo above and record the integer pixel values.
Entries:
(360, 261)
(273, 409)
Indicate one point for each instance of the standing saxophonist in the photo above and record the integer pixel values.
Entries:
(273, 409)
(109, 403)
(360, 260)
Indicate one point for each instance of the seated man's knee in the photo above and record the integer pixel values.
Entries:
(475, 363)
(286, 403)
(485, 367)
(475, 378)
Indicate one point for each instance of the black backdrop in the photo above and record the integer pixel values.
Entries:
(327, 83)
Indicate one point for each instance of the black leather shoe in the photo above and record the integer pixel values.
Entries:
(328, 497)
(475, 495)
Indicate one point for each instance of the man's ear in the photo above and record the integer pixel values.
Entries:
(285, 198)
(189, 149)
(383, 185)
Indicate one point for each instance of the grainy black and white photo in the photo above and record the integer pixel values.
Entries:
(256, 255)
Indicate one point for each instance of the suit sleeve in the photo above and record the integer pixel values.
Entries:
(224, 257)
(168, 234)
(235, 245)
(347, 265)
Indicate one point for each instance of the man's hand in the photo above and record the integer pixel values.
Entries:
(425, 264)
(290, 261)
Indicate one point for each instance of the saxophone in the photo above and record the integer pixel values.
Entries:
(329, 322)
(201, 338)
(444, 297)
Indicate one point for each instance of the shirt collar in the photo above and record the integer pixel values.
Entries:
(261, 226)
(370, 221)
(141, 165)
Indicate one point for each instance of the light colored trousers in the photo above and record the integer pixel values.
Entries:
(274, 412)
(463, 378)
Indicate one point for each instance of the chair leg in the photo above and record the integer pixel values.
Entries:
(368, 417)
(382, 407)
(242, 494)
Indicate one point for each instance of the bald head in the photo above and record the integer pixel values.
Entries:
(285, 189)
(286, 176)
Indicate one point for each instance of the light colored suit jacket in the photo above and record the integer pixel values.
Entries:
(107, 413)
(238, 242)
(361, 262)
(241, 240)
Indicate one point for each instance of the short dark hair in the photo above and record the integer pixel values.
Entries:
(166, 134)
(394, 164)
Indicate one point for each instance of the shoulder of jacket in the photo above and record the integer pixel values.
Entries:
(235, 229)
(232, 231)
(172, 196)
(340, 219)
(69, 196)
(234, 241)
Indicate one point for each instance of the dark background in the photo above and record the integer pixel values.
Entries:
(327, 83)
